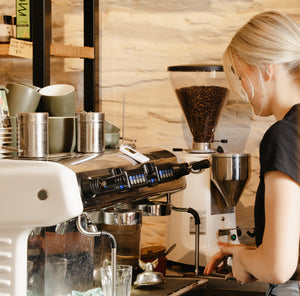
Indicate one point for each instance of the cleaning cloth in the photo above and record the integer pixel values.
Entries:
(93, 292)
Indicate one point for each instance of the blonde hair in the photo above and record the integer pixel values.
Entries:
(268, 38)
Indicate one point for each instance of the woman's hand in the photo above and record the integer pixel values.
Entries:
(214, 262)
(238, 271)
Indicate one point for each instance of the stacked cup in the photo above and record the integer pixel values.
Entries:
(5, 128)
(59, 101)
(21, 98)
(5, 137)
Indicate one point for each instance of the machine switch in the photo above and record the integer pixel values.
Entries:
(223, 232)
(233, 237)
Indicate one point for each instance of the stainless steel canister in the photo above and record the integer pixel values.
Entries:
(125, 225)
(90, 132)
(32, 135)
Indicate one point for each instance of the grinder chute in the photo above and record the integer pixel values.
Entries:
(202, 93)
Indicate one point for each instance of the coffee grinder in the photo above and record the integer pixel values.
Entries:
(213, 192)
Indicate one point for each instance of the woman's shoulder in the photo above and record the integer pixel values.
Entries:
(282, 130)
(287, 128)
(279, 149)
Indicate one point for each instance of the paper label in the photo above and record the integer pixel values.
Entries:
(20, 48)
(23, 19)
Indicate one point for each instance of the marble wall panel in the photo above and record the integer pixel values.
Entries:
(141, 39)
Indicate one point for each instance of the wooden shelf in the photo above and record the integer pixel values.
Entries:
(57, 50)
(4, 48)
(65, 51)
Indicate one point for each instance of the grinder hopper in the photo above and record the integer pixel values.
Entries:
(202, 92)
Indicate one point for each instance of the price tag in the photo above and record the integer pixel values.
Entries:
(20, 48)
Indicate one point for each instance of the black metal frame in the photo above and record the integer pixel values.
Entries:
(91, 66)
(42, 37)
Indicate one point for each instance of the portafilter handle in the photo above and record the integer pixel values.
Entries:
(199, 165)
(183, 169)
(33, 194)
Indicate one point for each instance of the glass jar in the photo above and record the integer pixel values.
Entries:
(6, 28)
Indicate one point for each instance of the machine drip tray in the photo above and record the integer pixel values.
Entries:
(201, 286)
(180, 281)
(173, 287)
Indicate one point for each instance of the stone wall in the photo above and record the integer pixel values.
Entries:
(139, 40)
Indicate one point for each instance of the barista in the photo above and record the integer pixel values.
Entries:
(262, 63)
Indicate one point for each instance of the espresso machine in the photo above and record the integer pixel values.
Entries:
(49, 208)
(34, 194)
(213, 192)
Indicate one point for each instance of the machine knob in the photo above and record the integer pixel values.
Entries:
(180, 170)
(239, 231)
(94, 186)
(150, 173)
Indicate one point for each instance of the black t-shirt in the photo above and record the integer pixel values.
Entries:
(279, 151)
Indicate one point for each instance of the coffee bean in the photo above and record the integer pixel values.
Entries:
(202, 106)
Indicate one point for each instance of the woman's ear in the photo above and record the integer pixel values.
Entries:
(269, 72)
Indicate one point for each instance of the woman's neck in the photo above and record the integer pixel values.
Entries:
(286, 94)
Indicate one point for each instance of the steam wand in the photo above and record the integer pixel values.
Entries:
(197, 232)
(92, 232)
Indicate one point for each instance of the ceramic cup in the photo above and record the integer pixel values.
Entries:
(22, 98)
(58, 100)
(62, 134)
(30, 85)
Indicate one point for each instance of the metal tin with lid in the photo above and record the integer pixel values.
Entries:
(32, 135)
(90, 132)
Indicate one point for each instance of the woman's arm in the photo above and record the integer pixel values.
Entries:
(275, 260)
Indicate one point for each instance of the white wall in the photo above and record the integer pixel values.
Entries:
(139, 40)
